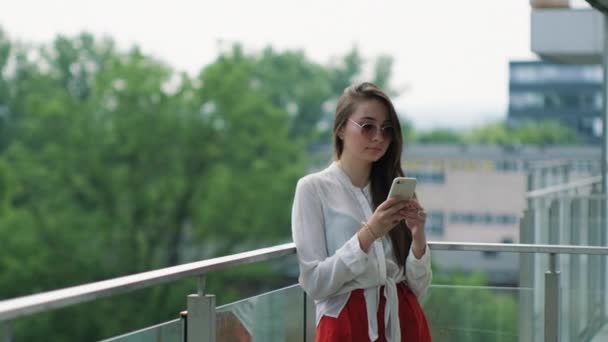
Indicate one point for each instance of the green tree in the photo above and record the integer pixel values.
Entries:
(439, 136)
(383, 70)
(112, 161)
(254, 136)
(548, 132)
(99, 178)
(493, 133)
(545, 132)
(463, 309)
(5, 131)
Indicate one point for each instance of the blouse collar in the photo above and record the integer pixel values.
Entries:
(335, 168)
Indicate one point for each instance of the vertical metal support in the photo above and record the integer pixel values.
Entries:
(554, 216)
(603, 262)
(530, 180)
(8, 332)
(310, 322)
(573, 295)
(201, 284)
(604, 162)
(183, 317)
(200, 325)
(552, 307)
(526, 277)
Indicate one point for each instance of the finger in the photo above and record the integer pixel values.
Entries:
(414, 213)
(394, 203)
(412, 223)
(409, 224)
(388, 203)
(413, 203)
(396, 211)
(414, 217)
(416, 223)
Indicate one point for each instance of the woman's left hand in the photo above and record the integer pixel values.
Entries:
(415, 217)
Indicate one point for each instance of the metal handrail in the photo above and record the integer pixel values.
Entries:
(517, 248)
(563, 187)
(591, 197)
(27, 305)
(21, 306)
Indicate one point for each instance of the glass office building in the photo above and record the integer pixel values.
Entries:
(569, 93)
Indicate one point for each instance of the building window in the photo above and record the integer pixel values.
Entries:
(592, 74)
(524, 74)
(506, 219)
(526, 100)
(597, 101)
(482, 218)
(434, 223)
(539, 73)
(506, 165)
(428, 177)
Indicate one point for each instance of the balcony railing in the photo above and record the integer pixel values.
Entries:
(570, 213)
(203, 321)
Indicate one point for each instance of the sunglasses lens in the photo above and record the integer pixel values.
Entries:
(368, 130)
(388, 132)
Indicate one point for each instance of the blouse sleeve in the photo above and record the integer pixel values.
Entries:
(321, 275)
(418, 272)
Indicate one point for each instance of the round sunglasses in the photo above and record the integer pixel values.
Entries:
(369, 130)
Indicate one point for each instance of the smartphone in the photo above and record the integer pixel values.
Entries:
(403, 187)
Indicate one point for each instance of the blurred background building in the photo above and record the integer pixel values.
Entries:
(478, 194)
(568, 93)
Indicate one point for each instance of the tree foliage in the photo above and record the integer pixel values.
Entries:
(439, 136)
(542, 133)
(463, 309)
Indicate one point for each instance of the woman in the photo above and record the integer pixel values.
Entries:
(362, 257)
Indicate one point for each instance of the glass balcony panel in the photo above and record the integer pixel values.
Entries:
(584, 300)
(475, 313)
(172, 331)
(272, 316)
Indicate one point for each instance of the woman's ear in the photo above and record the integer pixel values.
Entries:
(341, 133)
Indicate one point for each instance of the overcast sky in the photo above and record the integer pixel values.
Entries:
(451, 57)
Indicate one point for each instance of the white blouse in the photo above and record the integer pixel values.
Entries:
(328, 211)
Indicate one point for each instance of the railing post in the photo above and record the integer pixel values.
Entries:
(183, 316)
(310, 323)
(552, 307)
(201, 315)
(526, 276)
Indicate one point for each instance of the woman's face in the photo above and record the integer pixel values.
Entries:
(368, 132)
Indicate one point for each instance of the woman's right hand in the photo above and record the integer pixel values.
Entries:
(387, 215)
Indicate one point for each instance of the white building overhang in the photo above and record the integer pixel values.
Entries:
(567, 35)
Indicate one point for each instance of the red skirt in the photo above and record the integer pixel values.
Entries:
(351, 325)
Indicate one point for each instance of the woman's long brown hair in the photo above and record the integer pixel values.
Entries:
(386, 168)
